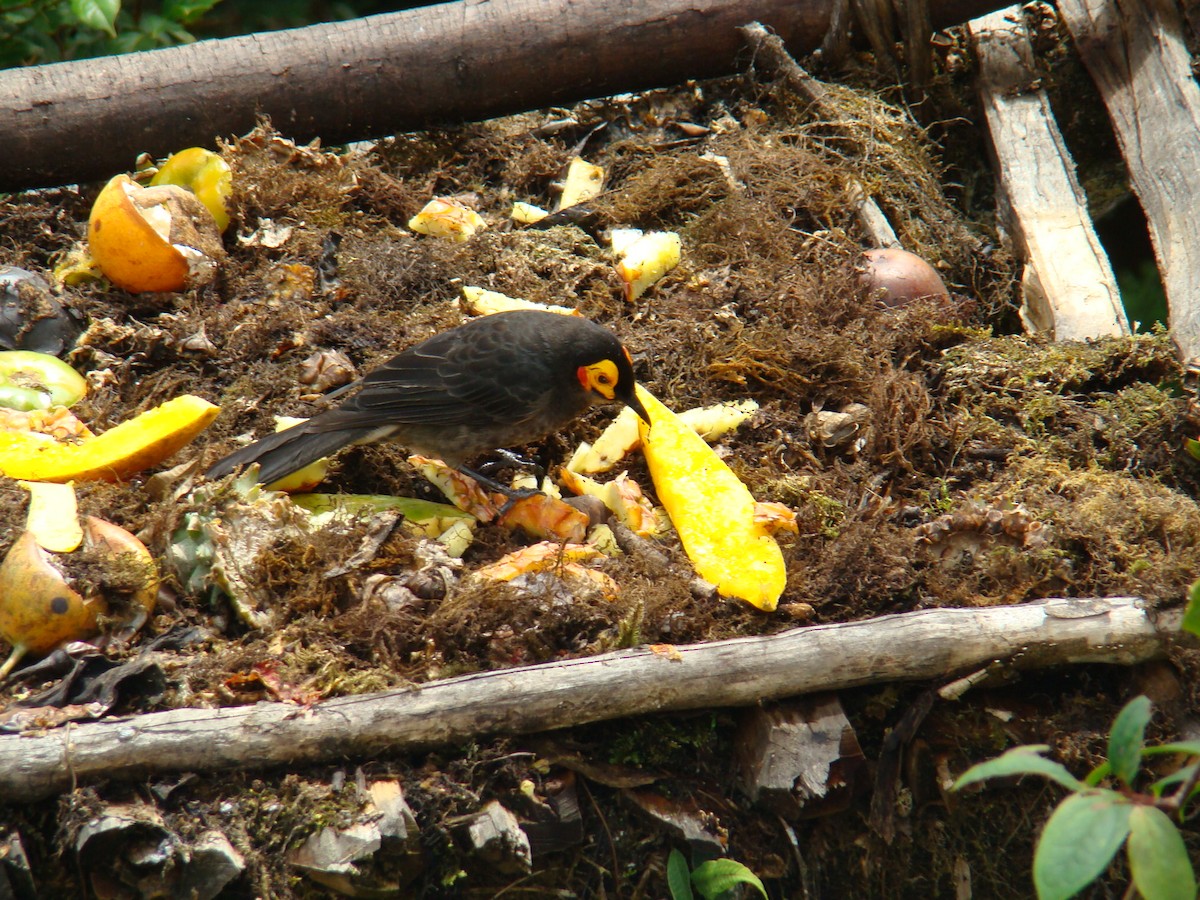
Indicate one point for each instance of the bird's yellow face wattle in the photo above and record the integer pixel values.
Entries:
(612, 380)
(600, 378)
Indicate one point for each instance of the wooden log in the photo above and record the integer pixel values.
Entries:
(1069, 290)
(1137, 56)
(933, 643)
(85, 120)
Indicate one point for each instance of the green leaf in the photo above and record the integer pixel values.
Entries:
(1026, 760)
(1159, 787)
(1191, 748)
(99, 15)
(1098, 774)
(717, 876)
(1126, 739)
(1191, 614)
(1158, 858)
(1078, 843)
(187, 10)
(153, 27)
(679, 879)
(1192, 446)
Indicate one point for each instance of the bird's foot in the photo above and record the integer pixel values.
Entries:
(507, 459)
(512, 494)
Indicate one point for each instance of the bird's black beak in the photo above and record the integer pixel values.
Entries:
(635, 404)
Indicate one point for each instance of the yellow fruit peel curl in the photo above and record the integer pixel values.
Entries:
(159, 238)
(115, 455)
(712, 510)
(53, 516)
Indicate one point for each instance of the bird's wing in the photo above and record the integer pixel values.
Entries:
(446, 382)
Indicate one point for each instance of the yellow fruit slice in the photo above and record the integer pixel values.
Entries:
(584, 182)
(647, 260)
(117, 454)
(447, 218)
(712, 510)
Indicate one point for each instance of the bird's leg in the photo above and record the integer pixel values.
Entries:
(504, 458)
(513, 494)
(508, 458)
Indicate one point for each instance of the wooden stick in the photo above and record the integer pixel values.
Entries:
(85, 120)
(1069, 288)
(933, 643)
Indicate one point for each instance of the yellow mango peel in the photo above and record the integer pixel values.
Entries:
(115, 455)
(713, 512)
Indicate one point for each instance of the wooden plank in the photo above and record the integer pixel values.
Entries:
(1135, 52)
(1068, 287)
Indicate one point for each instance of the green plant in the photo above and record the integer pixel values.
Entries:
(1191, 613)
(710, 879)
(1087, 828)
(41, 31)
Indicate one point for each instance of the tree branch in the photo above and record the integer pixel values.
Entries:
(744, 671)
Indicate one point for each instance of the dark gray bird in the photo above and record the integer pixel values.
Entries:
(494, 382)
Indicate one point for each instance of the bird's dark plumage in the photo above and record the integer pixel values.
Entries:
(497, 381)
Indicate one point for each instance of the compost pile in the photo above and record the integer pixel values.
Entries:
(932, 455)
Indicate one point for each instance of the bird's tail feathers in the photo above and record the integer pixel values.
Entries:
(279, 455)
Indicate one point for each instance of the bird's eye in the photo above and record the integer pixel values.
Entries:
(605, 380)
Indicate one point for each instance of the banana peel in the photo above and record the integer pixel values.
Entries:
(728, 542)
(115, 455)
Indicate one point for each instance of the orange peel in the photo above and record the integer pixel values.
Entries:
(546, 517)
(159, 238)
(713, 511)
(115, 455)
